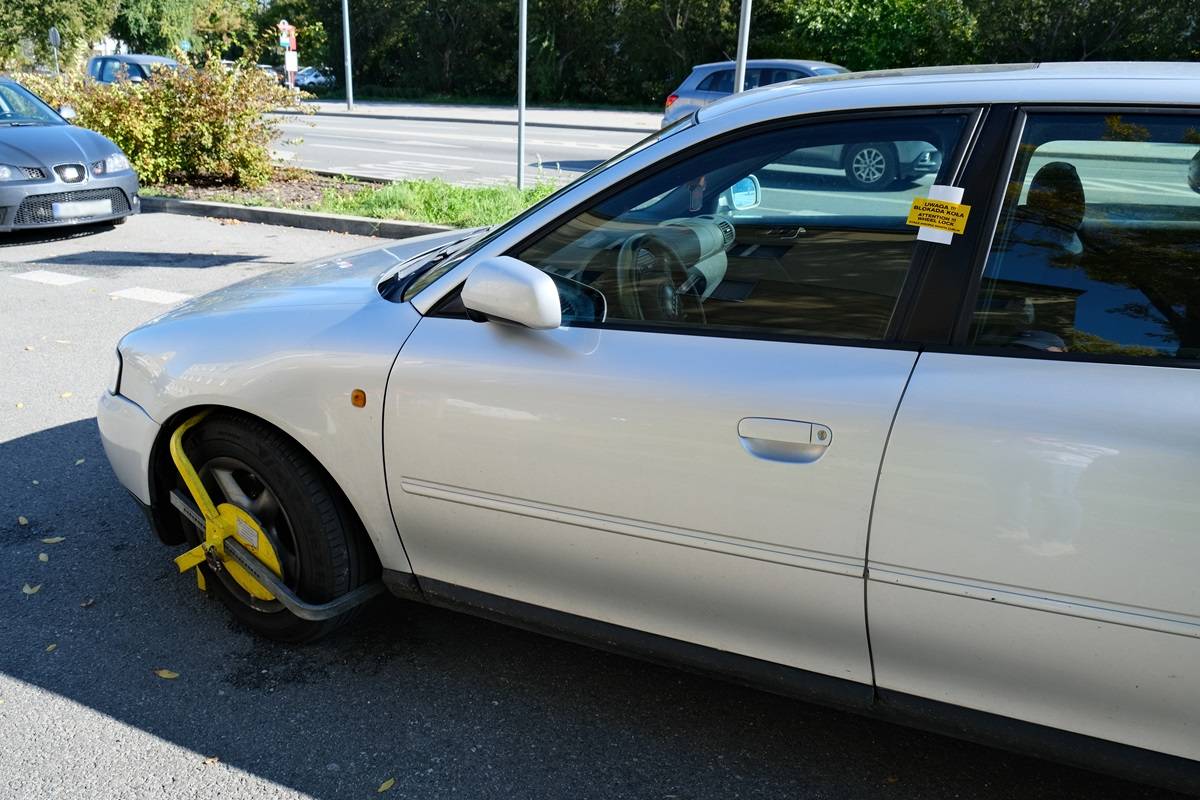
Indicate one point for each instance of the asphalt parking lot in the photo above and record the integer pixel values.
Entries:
(441, 704)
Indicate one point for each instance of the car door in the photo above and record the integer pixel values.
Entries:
(694, 463)
(1035, 536)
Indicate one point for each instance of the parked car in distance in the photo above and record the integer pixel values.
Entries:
(128, 67)
(312, 78)
(708, 83)
(54, 173)
(273, 73)
(928, 452)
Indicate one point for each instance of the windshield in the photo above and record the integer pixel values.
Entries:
(19, 106)
(433, 271)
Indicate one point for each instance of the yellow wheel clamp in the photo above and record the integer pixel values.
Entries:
(234, 542)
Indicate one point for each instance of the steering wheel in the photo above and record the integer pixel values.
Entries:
(653, 283)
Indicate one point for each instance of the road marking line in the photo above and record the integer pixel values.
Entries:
(565, 143)
(50, 278)
(410, 153)
(160, 296)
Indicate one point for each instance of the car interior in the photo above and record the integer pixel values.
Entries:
(1099, 252)
(743, 239)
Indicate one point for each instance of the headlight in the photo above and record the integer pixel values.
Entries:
(114, 379)
(117, 162)
(8, 173)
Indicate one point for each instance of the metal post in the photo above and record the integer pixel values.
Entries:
(521, 32)
(346, 48)
(739, 74)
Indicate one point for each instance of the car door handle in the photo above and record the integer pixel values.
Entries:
(788, 440)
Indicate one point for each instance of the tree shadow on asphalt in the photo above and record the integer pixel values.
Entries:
(148, 258)
(442, 702)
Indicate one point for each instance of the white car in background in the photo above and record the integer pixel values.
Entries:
(928, 452)
(313, 78)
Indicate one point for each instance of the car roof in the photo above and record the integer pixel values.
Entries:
(1094, 82)
(137, 58)
(758, 63)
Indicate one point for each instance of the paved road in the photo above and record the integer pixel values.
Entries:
(461, 152)
(447, 705)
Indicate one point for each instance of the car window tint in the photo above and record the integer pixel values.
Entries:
(721, 81)
(1098, 245)
(821, 253)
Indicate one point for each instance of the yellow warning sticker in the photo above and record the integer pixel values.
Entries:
(939, 214)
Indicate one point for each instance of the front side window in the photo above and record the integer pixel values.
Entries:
(1098, 245)
(780, 233)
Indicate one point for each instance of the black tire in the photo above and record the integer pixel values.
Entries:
(871, 165)
(324, 552)
(120, 220)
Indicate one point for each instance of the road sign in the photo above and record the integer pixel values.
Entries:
(291, 61)
(55, 42)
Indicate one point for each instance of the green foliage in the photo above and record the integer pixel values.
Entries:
(195, 125)
(878, 34)
(438, 202)
(25, 26)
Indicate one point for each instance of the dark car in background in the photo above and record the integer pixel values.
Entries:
(708, 83)
(127, 67)
(55, 173)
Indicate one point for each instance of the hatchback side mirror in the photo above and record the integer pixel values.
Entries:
(504, 288)
(67, 112)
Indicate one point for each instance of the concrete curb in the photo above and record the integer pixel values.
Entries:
(419, 118)
(311, 220)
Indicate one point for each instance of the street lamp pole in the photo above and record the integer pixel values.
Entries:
(739, 74)
(522, 33)
(346, 48)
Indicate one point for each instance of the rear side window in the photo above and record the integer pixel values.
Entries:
(721, 81)
(1097, 250)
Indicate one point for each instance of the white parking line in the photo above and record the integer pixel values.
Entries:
(419, 136)
(160, 296)
(382, 151)
(51, 278)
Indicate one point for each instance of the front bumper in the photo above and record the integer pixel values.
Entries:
(128, 435)
(29, 204)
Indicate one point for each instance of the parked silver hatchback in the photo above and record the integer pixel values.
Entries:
(928, 451)
(709, 83)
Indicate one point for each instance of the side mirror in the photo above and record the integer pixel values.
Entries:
(746, 193)
(67, 113)
(506, 289)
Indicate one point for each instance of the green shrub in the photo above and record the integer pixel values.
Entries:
(434, 200)
(201, 125)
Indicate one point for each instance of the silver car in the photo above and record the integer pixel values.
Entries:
(708, 83)
(928, 453)
(54, 173)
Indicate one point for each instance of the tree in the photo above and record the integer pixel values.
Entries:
(1051, 30)
(25, 26)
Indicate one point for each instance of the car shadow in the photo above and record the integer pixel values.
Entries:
(156, 258)
(60, 234)
(441, 702)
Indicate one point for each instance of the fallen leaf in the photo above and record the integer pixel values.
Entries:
(383, 787)
(50, 648)
(27, 589)
(166, 674)
(62, 341)
(212, 759)
(53, 539)
(65, 395)
(88, 603)
(20, 405)
(22, 521)
(42, 557)
(892, 779)
(79, 461)
(28, 347)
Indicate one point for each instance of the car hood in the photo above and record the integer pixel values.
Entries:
(350, 279)
(48, 145)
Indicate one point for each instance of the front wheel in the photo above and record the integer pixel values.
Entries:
(871, 166)
(322, 551)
